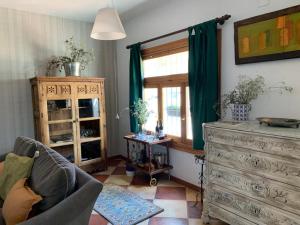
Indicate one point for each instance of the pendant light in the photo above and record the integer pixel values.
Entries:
(107, 25)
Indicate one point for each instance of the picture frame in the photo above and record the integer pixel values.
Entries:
(268, 37)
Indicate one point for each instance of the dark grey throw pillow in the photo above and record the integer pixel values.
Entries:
(25, 146)
(52, 177)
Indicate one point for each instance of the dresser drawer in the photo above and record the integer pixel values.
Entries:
(274, 167)
(286, 147)
(251, 209)
(280, 195)
(228, 217)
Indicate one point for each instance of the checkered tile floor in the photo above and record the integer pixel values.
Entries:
(176, 200)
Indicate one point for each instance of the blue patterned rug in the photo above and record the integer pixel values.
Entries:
(121, 207)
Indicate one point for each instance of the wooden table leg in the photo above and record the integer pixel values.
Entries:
(150, 158)
(128, 157)
(168, 158)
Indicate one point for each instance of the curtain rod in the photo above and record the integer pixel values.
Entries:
(220, 20)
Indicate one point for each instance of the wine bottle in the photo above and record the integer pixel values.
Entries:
(161, 129)
(157, 129)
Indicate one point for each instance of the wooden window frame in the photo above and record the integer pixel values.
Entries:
(174, 80)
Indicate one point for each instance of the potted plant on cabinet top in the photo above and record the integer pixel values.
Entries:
(140, 112)
(73, 62)
(247, 90)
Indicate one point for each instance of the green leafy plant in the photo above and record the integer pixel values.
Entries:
(248, 90)
(140, 111)
(73, 54)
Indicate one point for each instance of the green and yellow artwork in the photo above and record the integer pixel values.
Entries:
(268, 39)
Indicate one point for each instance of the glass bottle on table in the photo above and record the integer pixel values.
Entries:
(161, 130)
(157, 129)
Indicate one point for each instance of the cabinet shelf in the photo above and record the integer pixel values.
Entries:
(89, 119)
(59, 109)
(90, 139)
(90, 161)
(60, 121)
(53, 145)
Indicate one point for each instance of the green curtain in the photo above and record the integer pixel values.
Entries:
(136, 82)
(203, 77)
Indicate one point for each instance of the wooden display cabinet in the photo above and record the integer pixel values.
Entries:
(69, 117)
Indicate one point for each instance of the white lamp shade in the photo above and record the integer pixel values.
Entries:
(108, 25)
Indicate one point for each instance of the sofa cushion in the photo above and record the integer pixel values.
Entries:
(2, 222)
(52, 177)
(25, 147)
(15, 168)
(18, 203)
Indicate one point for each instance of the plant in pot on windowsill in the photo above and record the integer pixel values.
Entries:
(141, 113)
(75, 60)
(247, 90)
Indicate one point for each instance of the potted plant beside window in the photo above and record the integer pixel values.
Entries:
(141, 113)
(73, 62)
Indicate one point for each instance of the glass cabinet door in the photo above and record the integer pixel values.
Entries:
(89, 130)
(61, 127)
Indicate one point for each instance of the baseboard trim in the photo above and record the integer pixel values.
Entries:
(185, 183)
(116, 157)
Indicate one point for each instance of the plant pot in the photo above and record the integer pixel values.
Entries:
(240, 112)
(130, 171)
(72, 69)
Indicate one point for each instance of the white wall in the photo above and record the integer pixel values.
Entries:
(171, 15)
(27, 41)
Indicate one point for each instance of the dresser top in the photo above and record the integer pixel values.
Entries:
(255, 127)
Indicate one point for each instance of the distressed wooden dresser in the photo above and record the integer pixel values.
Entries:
(252, 174)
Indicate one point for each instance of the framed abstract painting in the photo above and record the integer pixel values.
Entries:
(272, 36)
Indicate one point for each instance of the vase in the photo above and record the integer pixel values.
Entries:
(72, 69)
(240, 112)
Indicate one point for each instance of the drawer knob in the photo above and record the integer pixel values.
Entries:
(257, 187)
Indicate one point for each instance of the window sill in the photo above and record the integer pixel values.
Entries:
(187, 148)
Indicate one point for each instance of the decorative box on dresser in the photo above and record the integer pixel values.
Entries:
(252, 174)
(69, 117)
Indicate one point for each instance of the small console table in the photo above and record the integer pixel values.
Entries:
(148, 141)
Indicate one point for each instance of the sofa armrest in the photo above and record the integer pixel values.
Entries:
(74, 210)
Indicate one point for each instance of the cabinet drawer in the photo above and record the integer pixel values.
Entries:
(57, 90)
(280, 195)
(251, 209)
(84, 89)
(274, 167)
(226, 216)
(274, 145)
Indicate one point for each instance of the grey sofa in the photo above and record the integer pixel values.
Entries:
(69, 193)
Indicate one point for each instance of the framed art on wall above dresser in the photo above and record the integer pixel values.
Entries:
(268, 37)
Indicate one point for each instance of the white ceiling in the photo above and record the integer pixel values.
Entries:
(84, 10)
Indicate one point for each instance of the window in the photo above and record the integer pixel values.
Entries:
(166, 90)
(172, 110)
(151, 96)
